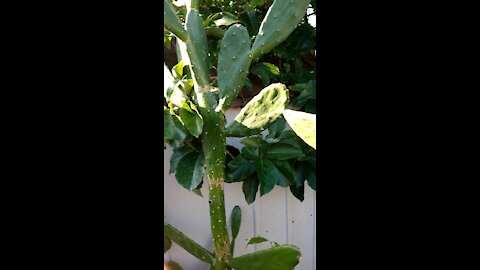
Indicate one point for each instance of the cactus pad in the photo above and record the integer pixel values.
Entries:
(284, 257)
(260, 112)
(233, 62)
(282, 18)
(171, 22)
(187, 243)
(304, 124)
(197, 48)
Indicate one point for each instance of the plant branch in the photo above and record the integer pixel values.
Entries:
(188, 244)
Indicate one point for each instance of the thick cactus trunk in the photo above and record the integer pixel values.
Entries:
(214, 147)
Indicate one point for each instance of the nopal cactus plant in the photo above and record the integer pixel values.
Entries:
(200, 113)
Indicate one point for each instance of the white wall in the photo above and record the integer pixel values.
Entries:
(277, 216)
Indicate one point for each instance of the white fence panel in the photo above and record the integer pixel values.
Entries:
(277, 216)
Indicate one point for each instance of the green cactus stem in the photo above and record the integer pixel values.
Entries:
(171, 21)
(282, 18)
(213, 137)
(214, 148)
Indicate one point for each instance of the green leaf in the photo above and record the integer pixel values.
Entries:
(251, 21)
(172, 127)
(309, 87)
(190, 170)
(191, 119)
(240, 168)
(250, 188)
(288, 134)
(267, 173)
(167, 41)
(198, 192)
(177, 97)
(178, 70)
(284, 257)
(307, 93)
(253, 142)
(276, 128)
(178, 153)
(265, 71)
(298, 192)
(167, 243)
(227, 19)
(283, 151)
(250, 152)
(260, 112)
(304, 125)
(254, 3)
(236, 219)
(248, 84)
(287, 172)
(301, 173)
(312, 178)
(257, 240)
(168, 83)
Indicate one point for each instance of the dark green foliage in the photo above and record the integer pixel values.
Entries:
(285, 161)
(250, 188)
(190, 170)
(172, 127)
(257, 240)
(266, 71)
(191, 118)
